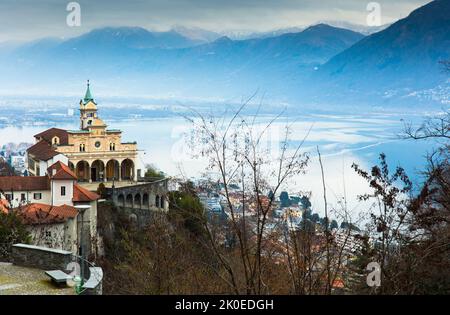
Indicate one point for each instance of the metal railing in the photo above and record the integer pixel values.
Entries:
(85, 275)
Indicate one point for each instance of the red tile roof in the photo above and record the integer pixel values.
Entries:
(82, 194)
(48, 134)
(4, 205)
(60, 170)
(21, 183)
(338, 284)
(42, 151)
(39, 213)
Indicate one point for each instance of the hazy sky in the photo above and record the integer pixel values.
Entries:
(29, 19)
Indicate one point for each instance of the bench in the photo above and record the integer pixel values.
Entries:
(57, 276)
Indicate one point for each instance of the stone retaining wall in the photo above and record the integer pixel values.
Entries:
(44, 258)
(40, 257)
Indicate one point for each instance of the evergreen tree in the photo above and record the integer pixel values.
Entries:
(12, 231)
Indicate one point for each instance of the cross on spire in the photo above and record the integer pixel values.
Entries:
(88, 96)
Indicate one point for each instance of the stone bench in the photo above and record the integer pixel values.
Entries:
(57, 276)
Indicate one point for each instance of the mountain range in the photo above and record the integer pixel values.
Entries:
(401, 59)
(319, 64)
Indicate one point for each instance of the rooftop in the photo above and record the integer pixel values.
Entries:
(60, 170)
(48, 135)
(39, 213)
(24, 183)
(88, 96)
(42, 151)
(78, 131)
(82, 194)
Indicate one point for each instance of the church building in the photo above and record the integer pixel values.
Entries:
(94, 152)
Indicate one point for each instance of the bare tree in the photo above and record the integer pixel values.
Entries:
(435, 127)
(236, 151)
(391, 199)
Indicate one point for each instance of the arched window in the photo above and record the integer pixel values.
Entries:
(112, 146)
(55, 140)
(121, 200)
(145, 200)
(82, 147)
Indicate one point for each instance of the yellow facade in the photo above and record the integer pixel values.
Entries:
(96, 153)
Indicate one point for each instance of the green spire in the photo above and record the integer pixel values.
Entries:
(88, 97)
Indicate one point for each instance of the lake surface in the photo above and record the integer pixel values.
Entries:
(342, 139)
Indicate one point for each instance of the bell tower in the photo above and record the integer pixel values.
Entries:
(88, 109)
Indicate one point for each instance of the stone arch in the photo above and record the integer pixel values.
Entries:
(129, 201)
(112, 170)
(157, 200)
(82, 170)
(133, 219)
(121, 200)
(71, 166)
(97, 171)
(127, 169)
(137, 201)
(145, 201)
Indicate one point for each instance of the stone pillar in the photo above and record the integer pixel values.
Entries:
(89, 172)
(75, 170)
(133, 171)
(105, 171)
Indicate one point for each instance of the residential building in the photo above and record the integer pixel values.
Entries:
(58, 211)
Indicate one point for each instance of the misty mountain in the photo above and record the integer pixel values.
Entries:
(139, 61)
(319, 65)
(197, 34)
(363, 29)
(133, 38)
(242, 35)
(399, 60)
(287, 52)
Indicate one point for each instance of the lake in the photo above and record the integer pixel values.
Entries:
(343, 139)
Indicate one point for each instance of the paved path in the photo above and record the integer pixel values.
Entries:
(15, 280)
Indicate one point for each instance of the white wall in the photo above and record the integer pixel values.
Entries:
(58, 158)
(42, 168)
(57, 236)
(57, 198)
(44, 165)
(29, 197)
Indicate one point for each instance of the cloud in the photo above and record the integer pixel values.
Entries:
(28, 19)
